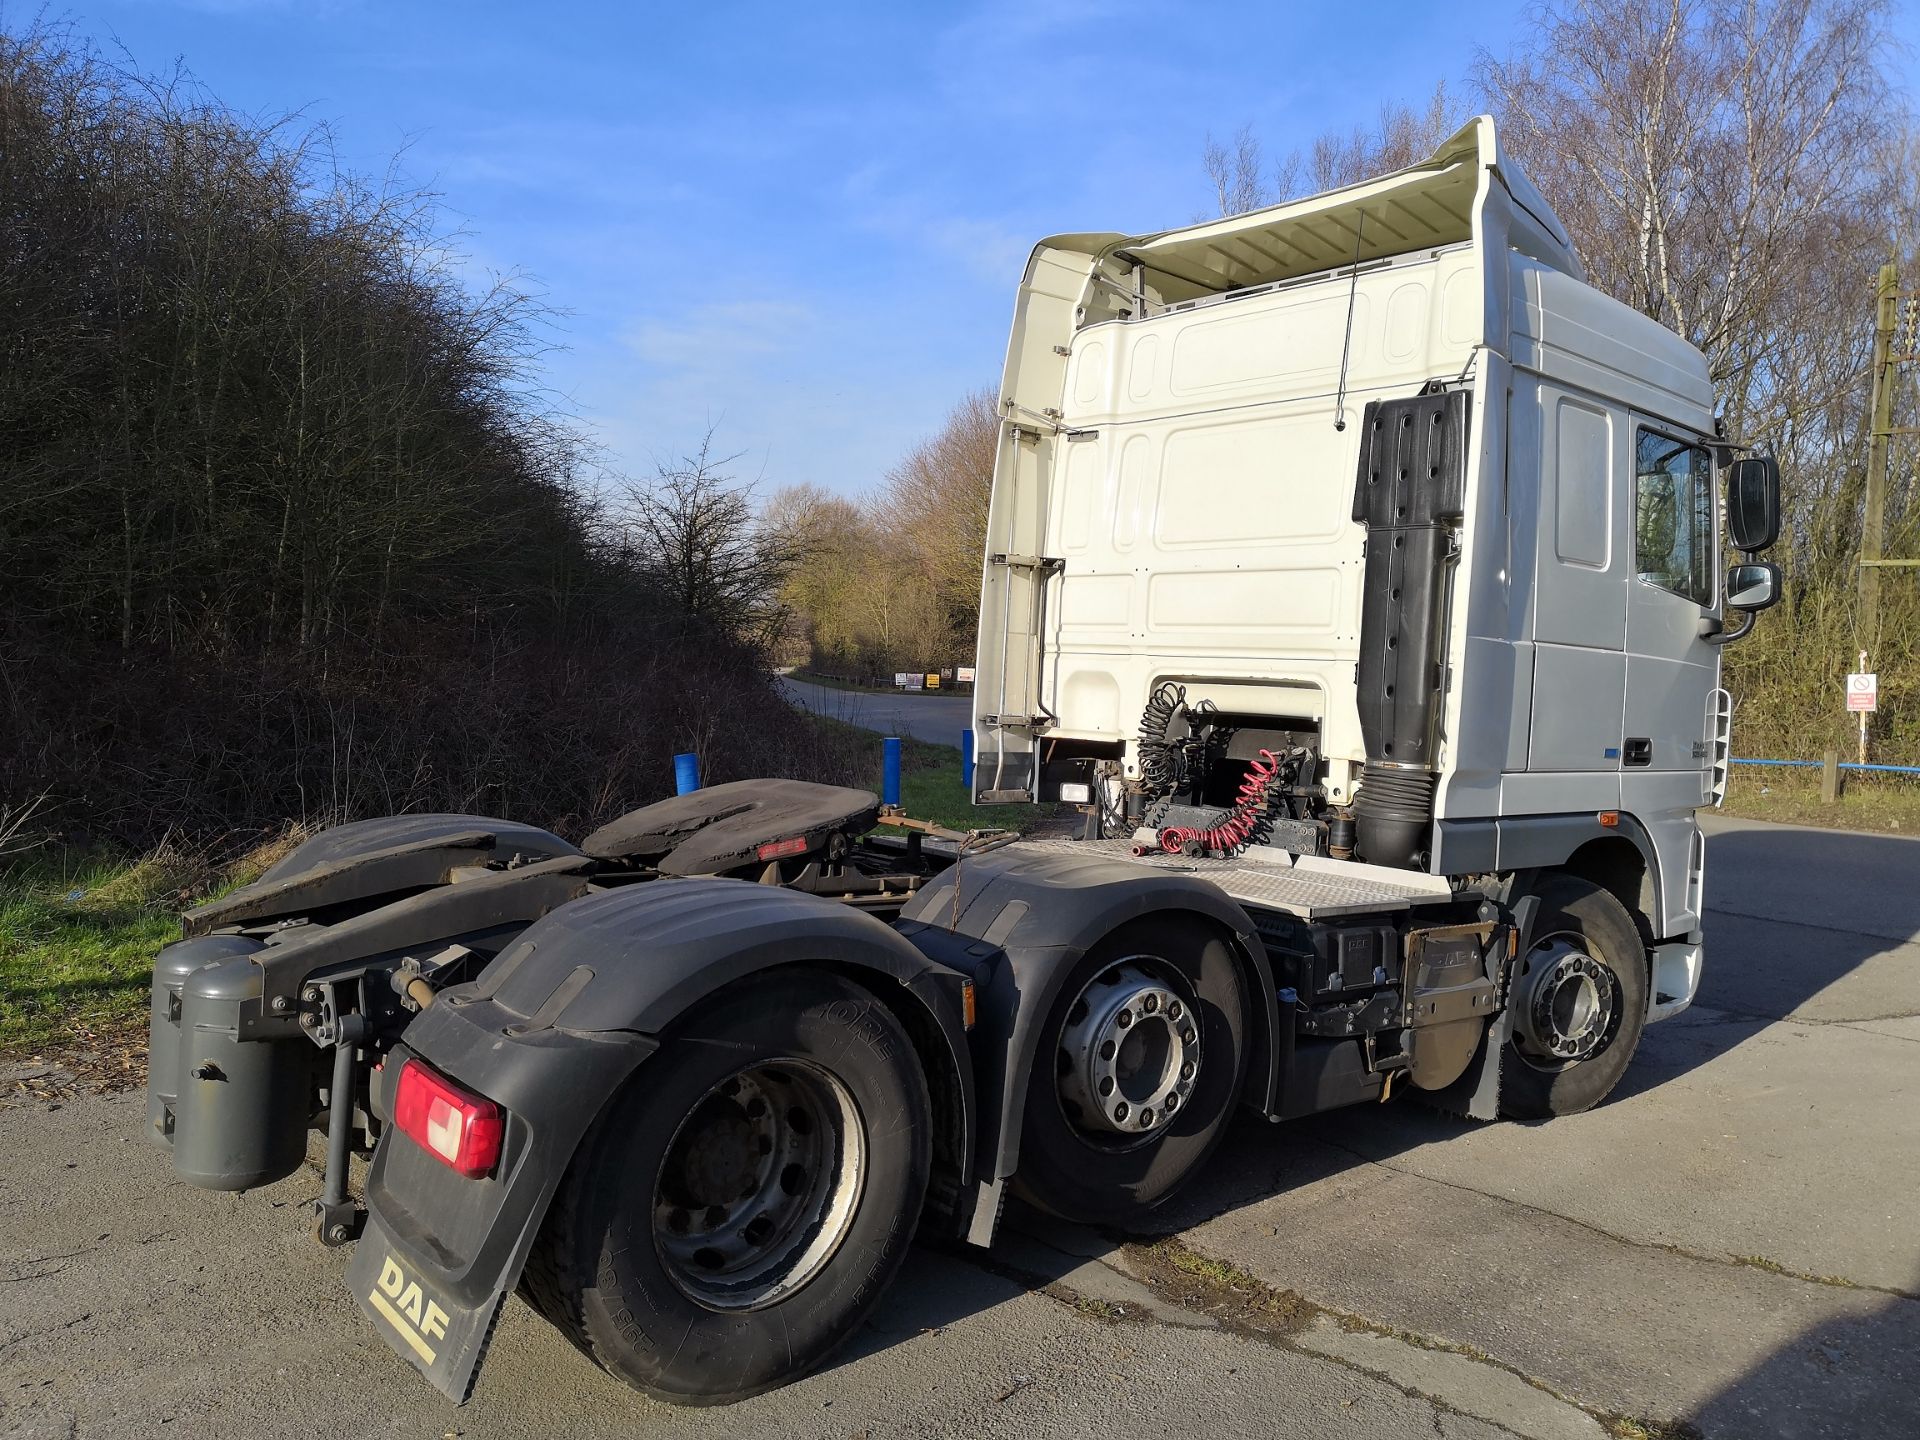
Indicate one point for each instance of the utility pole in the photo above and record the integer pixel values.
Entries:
(1879, 434)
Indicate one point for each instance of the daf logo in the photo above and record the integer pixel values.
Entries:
(404, 1306)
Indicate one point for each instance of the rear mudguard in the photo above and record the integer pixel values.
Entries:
(1022, 920)
(550, 1030)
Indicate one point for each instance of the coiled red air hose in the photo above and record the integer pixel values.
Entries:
(1249, 807)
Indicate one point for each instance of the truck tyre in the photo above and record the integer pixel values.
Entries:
(1136, 1072)
(741, 1205)
(1578, 1000)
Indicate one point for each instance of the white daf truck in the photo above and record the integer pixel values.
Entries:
(1376, 478)
(1352, 563)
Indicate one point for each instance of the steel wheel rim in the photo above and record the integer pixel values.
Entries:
(759, 1185)
(1566, 1004)
(1128, 1056)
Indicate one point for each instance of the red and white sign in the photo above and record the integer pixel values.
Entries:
(1863, 691)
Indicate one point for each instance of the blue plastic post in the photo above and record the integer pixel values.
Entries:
(890, 770)
(686, 773)
(966, 760)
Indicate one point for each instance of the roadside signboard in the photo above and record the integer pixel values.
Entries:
(964, 675)
(1863, 691)
(900, 678)
(933, 680)
(914, 682)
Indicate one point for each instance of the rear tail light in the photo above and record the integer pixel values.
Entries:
(454, 1124)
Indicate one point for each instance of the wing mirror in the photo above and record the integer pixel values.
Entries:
(1751, 587)
(1753, 509)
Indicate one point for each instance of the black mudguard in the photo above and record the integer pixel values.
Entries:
(368, 860)
(362, 837)
(550, 1030)
(1022, 920)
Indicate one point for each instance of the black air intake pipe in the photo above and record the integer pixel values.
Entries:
(1410, 493)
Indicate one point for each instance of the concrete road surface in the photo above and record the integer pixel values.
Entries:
(937, 719)
(1732, 1241)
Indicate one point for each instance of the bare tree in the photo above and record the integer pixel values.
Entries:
(934, 504)
(1401, 136)
(1234, 169)
(1706, 153)
(694, 535)
(287, 525)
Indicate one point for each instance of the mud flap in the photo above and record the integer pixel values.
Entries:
(441, 1338)
(1476, 1094)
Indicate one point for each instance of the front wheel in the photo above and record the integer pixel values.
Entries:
(1578, 1000)
(744, 1202)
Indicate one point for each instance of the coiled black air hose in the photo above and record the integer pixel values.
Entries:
(1161, 764)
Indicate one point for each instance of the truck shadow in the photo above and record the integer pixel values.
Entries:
(1855, 1374)
(1804, 927)
(1792, 913)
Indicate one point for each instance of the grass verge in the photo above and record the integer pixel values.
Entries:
(78, 933)
(1889, 804)
(931, 789)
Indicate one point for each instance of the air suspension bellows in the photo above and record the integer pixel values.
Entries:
(1409, 493)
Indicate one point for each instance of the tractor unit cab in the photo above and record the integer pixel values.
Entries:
(1364, 522)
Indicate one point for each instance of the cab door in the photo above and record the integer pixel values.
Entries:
(1672, 670)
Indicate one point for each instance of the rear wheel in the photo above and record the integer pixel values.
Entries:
(1578, 1002)
(1136, 1072)
(743, 1204)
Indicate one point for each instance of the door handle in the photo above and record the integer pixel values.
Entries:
(1637, 751)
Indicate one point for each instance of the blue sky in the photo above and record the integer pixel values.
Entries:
(800, 224)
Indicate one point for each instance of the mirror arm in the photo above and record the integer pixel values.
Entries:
(1713, 630)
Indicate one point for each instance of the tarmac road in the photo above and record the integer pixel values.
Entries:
(937, 719)
(1732, 1240)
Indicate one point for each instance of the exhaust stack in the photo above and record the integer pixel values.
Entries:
(1410, 494)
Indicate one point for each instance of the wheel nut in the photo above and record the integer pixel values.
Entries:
(1186, 1071)
(1188, 1036)
(1120, 1111)
(1146, 1118)
(1150, 1004)
(1123, 1019)
(1173, 1009)
(1171, 1104)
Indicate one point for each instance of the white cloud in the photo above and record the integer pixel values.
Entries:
(720, 336)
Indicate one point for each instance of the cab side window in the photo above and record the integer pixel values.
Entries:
(1673, 515)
